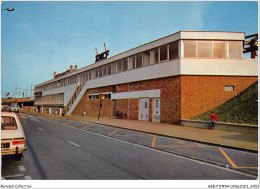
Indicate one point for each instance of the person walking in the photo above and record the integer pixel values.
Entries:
(213, 119)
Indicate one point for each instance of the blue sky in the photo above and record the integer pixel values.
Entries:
(39, 38)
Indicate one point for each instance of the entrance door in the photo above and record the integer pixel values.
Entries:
(144, 109)
(156, 109)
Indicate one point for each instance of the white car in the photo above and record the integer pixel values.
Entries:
(12, 135)
(14, 108)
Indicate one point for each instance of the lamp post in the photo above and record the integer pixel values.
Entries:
(9, 9)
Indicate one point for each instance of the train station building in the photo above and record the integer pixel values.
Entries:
(175, 77)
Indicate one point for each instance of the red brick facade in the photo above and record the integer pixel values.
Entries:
(182, 97)
(200, 94)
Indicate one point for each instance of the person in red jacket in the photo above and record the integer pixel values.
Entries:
(213, 119)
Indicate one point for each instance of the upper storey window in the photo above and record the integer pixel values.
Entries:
(219, 49)
(204, 49)
(173, 50)
(235, 49)
(212, 49)
(164, 53)
(189, 48)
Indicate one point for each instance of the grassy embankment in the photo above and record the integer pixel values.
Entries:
(242, 109)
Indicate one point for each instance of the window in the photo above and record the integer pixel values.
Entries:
(100, 68)
(204, 49)
(139, 60)
(146, 56)
(97, 96)
(113, 67)
(154, 56)
(189, 48)
(93, 74)
(96, 72)
(235, 49)
(164, 52)
(109, 69)
(105, 70)
(119, 66)
(8, 123)
(131, 64)
(229, 88)
(173, 50)
(125, 64)
(219, 49)
(89, 75)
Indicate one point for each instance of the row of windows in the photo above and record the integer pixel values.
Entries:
(51, 98)
(212, 49)
(97, 97)
(192, 49)
(146, 58)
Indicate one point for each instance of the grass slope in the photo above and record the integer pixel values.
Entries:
(242, 109)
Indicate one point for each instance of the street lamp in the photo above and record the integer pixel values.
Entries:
(9, 9)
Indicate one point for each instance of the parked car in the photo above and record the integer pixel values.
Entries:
(12, 135)
(14, 108)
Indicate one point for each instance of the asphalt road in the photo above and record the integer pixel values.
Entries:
(71, 150)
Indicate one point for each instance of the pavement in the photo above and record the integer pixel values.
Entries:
(241, 141)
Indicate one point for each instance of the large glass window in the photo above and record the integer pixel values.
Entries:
(204, 49)
(189, 48)
(131, 64)
(113, 67)
(93, 74)
(164, 52)
(235, 49)
(96, 71)
(119, 66)
(146, 56)
(173, 50)
(219, 49)
(125, 64)
(109, 69)
(154, 56)
(105, 70)
(100, 71)
(139, 60)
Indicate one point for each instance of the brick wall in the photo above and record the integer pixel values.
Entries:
(91, 107)
(203, 93)
(182, 97)
(170, 100)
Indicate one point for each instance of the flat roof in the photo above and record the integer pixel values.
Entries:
(180, 35)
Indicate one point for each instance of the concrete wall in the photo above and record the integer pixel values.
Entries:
(233, 127)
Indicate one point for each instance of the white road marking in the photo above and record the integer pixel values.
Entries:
(21, 168)
(13, 176)
(23, 116)
(33, 119)
(28, 178)
(73, 143)
(41, 129)
(152, 149)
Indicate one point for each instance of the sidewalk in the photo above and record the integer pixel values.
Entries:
(235, 140)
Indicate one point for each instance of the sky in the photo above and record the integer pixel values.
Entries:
(42, 37)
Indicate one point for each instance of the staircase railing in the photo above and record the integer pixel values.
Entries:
(73, 98)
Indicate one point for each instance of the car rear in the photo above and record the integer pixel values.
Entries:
(12, 135)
